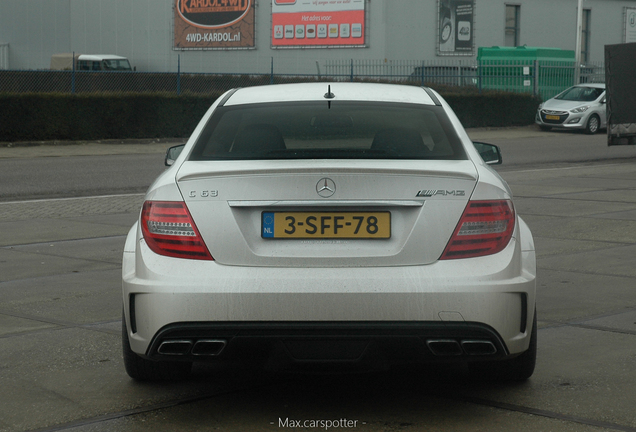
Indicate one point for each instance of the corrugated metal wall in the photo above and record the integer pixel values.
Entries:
(142, 30)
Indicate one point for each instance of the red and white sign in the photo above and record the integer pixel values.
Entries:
(213, 24)
(302, 23)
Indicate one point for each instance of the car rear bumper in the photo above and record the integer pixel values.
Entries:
(437, 301)
(291, 343)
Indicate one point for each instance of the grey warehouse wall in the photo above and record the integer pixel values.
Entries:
(35, 29)
(142, 30)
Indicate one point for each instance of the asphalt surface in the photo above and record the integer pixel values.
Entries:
(60, 309)
(32, 170)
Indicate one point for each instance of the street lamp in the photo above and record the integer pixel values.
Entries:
(577, 52)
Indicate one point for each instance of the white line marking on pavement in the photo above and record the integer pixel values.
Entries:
(70, 199)
(561, 168)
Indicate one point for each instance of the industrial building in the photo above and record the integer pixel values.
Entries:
(300, 36)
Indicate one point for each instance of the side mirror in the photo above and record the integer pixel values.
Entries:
(490, 153)
(173, 153)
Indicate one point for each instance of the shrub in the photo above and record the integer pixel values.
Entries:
(96, 116)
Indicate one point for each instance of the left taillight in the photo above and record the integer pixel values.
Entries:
(485, 228)
(169, 230)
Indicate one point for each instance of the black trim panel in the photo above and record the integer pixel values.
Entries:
(432, 96)
(328, 341)
(229, 95)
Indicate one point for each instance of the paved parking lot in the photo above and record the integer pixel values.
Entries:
(60, 312)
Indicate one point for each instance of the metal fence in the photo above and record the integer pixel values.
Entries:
(544, 79)
(448, 73)
(4, 56)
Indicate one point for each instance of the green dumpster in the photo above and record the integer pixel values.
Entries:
(515, 69)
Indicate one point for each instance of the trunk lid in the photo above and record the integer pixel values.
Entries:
(231, 201)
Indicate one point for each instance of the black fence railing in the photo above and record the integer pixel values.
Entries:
(544, 79)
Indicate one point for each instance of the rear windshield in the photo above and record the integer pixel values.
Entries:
(322, 130)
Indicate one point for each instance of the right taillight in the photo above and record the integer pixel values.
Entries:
(169, 230)
(484, 229)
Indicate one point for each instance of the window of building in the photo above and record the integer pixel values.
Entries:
(585, 35)
(512, 25)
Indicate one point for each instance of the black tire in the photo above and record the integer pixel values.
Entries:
(593, 125)
(519, 368)
(143, 369)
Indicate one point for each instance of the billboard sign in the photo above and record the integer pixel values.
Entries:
(213, 24)
(455, 34)
(630, 25)
(318, 23)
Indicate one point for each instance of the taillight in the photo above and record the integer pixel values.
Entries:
(169, 230)
(484, 229)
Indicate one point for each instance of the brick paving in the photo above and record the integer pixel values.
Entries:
(70, 207)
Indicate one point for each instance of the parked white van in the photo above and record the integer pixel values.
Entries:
(90, 62)
(103, 62)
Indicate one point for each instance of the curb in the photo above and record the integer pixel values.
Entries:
(54, 143)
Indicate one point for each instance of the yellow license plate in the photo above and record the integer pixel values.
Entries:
(326, 225)
(552, 117)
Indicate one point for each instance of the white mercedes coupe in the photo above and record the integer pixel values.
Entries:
(330, 224)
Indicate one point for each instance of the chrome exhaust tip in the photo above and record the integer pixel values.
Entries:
(479, 347)
(175, 347)
(208, 347)
(444, 347)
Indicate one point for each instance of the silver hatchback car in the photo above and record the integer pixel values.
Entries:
(342, 223)
(579, 107)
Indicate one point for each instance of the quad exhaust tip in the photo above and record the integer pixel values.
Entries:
(201, 347)
(208, 347)
(444, 347)
(174, 347)
(452, 347)
(479, 347)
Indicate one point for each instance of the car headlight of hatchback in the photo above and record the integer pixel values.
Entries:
(580, 109)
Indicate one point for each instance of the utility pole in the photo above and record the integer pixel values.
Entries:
(577, 52)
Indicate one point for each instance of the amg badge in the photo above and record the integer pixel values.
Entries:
(442, 192)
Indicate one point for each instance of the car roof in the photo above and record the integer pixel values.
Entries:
(306, 92)
(595, 85)
(99, 57)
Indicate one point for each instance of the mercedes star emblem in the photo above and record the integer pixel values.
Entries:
(325, 187)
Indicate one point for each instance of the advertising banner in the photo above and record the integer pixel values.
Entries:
(630, 25)
(318, 23)
(456, 23)
(213, 24)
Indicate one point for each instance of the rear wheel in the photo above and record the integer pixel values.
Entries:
(148, 370)
(519, 368)
(593, 124)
